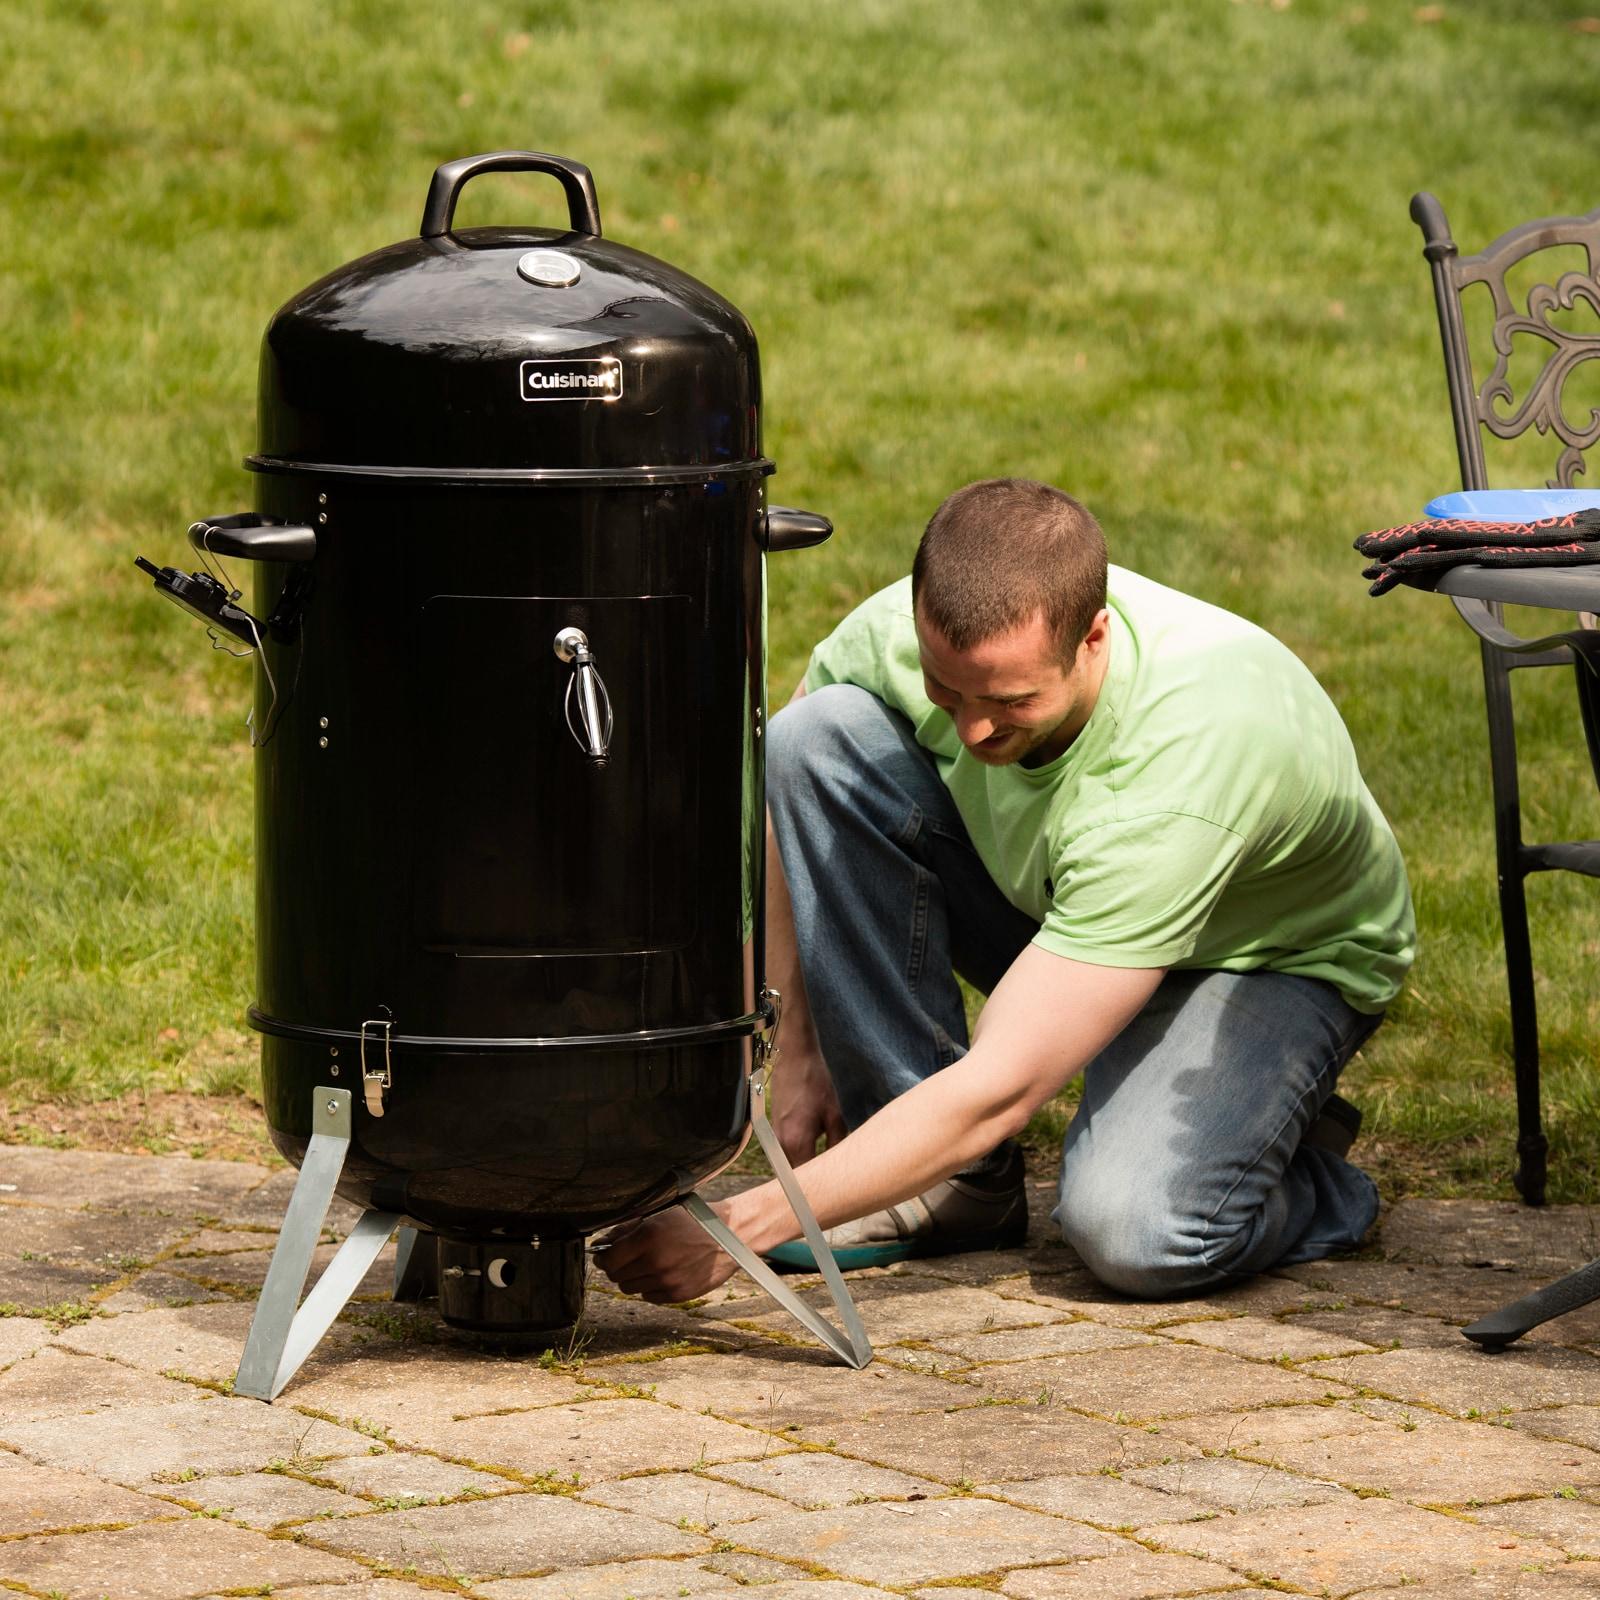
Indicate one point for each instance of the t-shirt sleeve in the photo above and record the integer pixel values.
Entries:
(831, 663)
(875, 649)
(1137, 892)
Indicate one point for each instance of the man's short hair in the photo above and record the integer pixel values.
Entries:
(999, 552)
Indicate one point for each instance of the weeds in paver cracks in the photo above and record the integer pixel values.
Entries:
(517, 1411)
(373, 1430)
(539, 1482)
(807, 1569)
(643, 1358)
(222, 1386)
(60, 1316)
(66, 1531)
(403, 1327)
(571, 1357)
(456, 1579)
(300, 1462)
(242, 1292)
(422, 1580)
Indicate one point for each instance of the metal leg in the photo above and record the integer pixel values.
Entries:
(281, 1337)
(1499, 1328)
(852, 1346)
(416, 1265)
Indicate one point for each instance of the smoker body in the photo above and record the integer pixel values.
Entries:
(524, 930)
(558, 960)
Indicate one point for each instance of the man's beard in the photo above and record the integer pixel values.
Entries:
(1017, 746)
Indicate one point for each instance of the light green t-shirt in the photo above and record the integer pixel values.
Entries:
(1210, 814)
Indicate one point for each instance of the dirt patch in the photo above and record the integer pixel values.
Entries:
(157, 1122)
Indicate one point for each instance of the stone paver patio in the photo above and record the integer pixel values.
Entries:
(1321, 1431)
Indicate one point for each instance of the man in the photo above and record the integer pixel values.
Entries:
(1134, 821)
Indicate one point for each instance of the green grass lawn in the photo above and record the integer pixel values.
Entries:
(1158, 254)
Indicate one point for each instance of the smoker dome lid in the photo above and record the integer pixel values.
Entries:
(527, 354)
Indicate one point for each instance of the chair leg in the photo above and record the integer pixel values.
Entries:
(1509, 1323)
(1531, 1142)
(1588, 675)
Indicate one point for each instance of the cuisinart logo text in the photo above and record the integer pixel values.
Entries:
(597, 379)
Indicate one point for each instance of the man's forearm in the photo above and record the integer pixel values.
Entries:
(942, 1125)
(958, 1115)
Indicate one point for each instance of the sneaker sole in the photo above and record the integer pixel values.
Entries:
(796, 1256)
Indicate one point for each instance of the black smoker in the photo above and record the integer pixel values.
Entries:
(508, 617)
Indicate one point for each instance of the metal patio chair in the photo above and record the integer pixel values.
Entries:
(1479, 593)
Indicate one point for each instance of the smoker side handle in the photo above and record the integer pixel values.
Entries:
(253, 538)
(788, 529)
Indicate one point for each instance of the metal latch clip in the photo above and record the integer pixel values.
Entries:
(764, 1052)
(375, 1081)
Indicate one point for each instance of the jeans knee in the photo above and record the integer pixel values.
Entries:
(1136, 1242)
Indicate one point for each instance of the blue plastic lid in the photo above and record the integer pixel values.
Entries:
(1512, 505)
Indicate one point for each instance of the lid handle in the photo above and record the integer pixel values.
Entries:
(583, 208)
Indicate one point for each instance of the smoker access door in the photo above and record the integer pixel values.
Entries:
(525, 846)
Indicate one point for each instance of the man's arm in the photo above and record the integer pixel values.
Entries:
(1046, 1020)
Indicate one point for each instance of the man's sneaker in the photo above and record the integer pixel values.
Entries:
(986, 1213)
(1336, 1126)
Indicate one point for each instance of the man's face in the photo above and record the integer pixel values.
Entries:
(1013, 698)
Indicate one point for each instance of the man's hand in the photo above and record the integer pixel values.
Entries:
(666, 1258)
(804, 1105)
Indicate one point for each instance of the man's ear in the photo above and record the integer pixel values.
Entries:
(1099, 633)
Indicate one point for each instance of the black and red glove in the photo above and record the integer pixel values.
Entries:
(1423, 563)
(1417, 552)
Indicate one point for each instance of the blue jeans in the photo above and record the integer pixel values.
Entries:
(1183, 1167)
